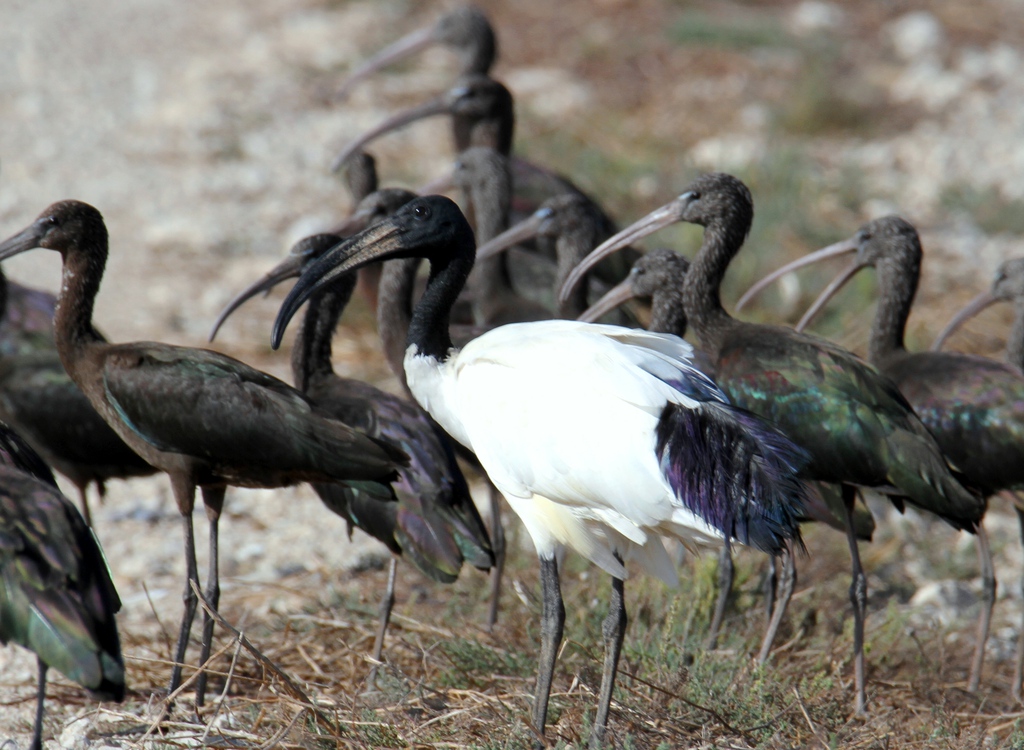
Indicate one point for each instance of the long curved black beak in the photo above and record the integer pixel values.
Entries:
(657, 219)
(405, 47)
(27, 239)
(975, 306)
(437, 106)
(289, 268)
(379, 242)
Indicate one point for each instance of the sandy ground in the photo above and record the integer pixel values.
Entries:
(202, 131)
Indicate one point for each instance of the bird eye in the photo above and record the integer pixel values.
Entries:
(695, 195)
(638, 271)
(421, 212)
(49, 222)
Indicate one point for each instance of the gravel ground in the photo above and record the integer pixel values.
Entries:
(202, 131)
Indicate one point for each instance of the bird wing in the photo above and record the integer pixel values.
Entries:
(56, 596)
(233, 415)
(853, 420)
(974, 407)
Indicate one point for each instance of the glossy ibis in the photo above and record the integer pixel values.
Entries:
(434, 523)
(56, 596)
(658, 277)
(466, 31)
(601, 438)
(574, 225)
(1008, 286)
(974, 406)
(206, 419)
(858, 428)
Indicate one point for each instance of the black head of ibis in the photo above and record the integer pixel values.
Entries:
(466, 31)
(1007, 286)
(204, 418)
(360, 171)
(656, 276)
(482, 114)
(56, 596)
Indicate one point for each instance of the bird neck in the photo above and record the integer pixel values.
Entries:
(428, 329)
(491, 197)
(494, 129)
(311, 353)
(703, 307)
(394, 310)
(570, 250)
(1015, 343)
(3, 296)
(81, 276)
(668, 314)
(897, 284)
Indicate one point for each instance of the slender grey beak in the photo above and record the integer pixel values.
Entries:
(407, 46)
(832, 251)
(828, 293)
(27, 239)
(615, 297)
(975, 306)
(521, 232)
(438, 106)
(659, 218)
(290, 268)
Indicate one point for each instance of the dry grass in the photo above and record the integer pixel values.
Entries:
(301, 680)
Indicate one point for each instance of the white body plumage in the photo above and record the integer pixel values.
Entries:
(563, 417)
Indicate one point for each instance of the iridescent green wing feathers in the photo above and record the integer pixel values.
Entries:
(853, 420)
(56, 596)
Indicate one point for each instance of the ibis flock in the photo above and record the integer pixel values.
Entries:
(604, 439)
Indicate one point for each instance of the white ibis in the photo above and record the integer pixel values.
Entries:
(602, 439)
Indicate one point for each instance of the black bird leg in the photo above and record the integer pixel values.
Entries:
(498, 547)
(859, 599)
(552, 621)
(83, 495)
(771, 583)
(37, 731)
(988, 587)
(386, 604)
(779, 611)
(213, 499)
(726, 574)
(1018, 672)
(614, 630)
(184, 494)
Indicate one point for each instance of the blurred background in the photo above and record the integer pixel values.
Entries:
(203, 133)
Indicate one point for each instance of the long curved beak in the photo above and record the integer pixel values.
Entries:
(521, 232)
(27, 239)
(615, 297)
(832, 251)
(438, 106)
(975, 306)
(289, 268)
(829, 292)
(405, 47)
(657, 219)
(379, 242)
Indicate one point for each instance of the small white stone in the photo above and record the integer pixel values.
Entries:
(916, 34)
(812, 15)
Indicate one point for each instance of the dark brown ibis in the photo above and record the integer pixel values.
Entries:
(434, 524)
(466, 31)
(553, 410)
(857, 426)
(204, 418)
(56, 596)
(573, 224)
(1008, 286)
(974, 406)
(657, 277)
